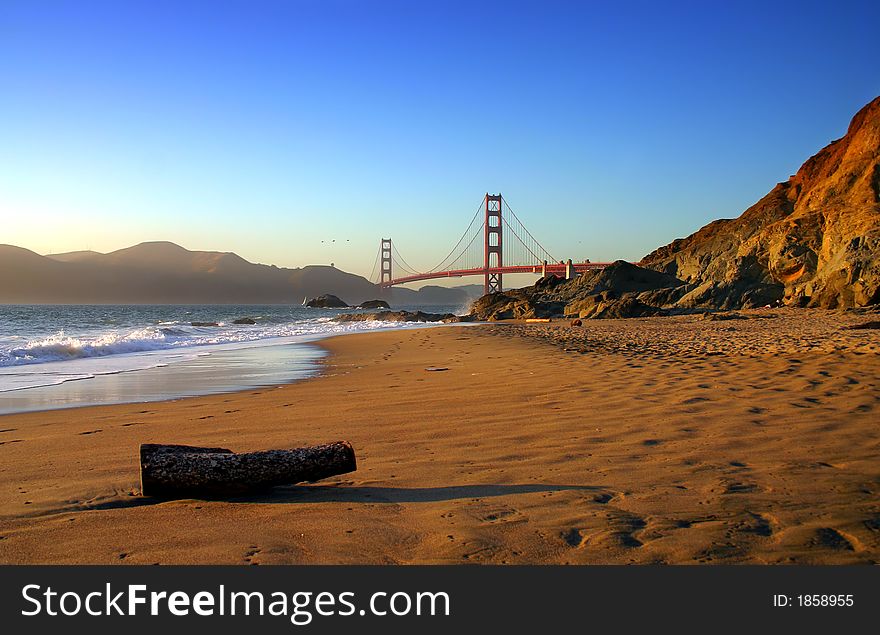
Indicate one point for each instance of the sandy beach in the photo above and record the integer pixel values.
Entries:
(676, 440)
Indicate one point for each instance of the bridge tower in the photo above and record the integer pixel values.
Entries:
(492, 243)
(385, 272)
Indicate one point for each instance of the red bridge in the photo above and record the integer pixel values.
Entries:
(506, 247)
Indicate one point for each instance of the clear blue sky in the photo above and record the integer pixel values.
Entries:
(266, 127)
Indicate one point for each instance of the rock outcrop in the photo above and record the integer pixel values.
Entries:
(374, 304)
(814, 240)
(327, 301)
(620, 290)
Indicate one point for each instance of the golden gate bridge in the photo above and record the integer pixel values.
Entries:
(495, 242)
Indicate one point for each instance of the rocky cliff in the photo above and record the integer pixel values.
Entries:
(814, 240)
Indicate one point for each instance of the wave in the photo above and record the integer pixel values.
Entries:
(62, 346)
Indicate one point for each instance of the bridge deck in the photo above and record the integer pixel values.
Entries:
(557, 269)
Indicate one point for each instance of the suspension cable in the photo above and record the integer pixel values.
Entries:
(464, 252)
(463, 236)
(375, 266)
(528, 233)
(406, 266)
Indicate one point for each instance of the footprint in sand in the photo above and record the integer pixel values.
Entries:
(829, 538)
(757, 524)
(481, 550)
(573, 537)
(719, 551)
(622, 527)
(500, 515)
(873, 524)
(740, 488)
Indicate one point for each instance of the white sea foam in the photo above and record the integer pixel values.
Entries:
(61, 357)
(60, 347)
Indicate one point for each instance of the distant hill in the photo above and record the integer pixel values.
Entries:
(814, 240)
(75, 256)
(166, 273)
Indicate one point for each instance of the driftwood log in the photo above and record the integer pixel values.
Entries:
(183, 471)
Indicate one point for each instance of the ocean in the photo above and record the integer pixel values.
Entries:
(56, 356)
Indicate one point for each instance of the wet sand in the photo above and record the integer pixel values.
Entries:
(660, 440)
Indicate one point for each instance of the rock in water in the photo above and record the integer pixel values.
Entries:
(246, 320)
(327, 301)
(183, 471)
(814, 240)
(374, 304)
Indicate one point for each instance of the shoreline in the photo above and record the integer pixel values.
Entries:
(621, 449)
(297, 360)
(163, 383)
